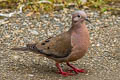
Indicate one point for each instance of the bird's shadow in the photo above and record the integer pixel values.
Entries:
(36, 68)
(43, 68)
(39, 69)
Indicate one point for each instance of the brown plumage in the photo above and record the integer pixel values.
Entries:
(66, 47)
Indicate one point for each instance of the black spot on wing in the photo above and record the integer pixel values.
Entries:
(47, 40)
(42, 43)
(48, 47)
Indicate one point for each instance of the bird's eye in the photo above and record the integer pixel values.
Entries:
(79, 16)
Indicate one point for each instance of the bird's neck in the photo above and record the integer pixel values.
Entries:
(80, 30)
(78, 27)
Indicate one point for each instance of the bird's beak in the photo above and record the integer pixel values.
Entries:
(87, 20)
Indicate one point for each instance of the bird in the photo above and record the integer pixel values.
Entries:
(66, 47)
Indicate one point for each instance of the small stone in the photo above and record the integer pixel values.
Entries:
(93, 44)
(34, 32)
(7, 36)
(50, 33)
(56, 19)
(31, 75)
(16, 57)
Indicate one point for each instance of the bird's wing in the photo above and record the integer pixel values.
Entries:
(56, 47)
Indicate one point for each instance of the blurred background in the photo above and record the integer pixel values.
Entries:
(50, 5)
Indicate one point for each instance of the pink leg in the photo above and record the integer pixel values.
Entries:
(75, 69)
(61, 71)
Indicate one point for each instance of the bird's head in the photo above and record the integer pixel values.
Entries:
(79, 17)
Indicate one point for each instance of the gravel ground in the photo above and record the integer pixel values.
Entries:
(102, 60)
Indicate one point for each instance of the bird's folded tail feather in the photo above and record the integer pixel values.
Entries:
(27, 48)
(20, 49)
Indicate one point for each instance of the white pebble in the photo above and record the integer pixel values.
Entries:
(34, 32)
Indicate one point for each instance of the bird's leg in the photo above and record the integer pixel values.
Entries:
(61, 71)
(76, 70)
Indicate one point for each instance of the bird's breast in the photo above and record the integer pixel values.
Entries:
(80, 38)
(80, 43)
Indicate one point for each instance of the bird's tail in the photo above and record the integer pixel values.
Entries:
(20, 49)
(27, 48)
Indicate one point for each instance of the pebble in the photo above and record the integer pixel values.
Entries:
(34, 32)
(31, 75)
(7, 36)
(16, 57)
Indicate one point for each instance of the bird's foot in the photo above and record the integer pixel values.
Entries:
(78, 70)
(62, 72)
(65, 73)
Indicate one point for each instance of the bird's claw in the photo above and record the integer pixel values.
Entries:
(65, 73)
(78, 70)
